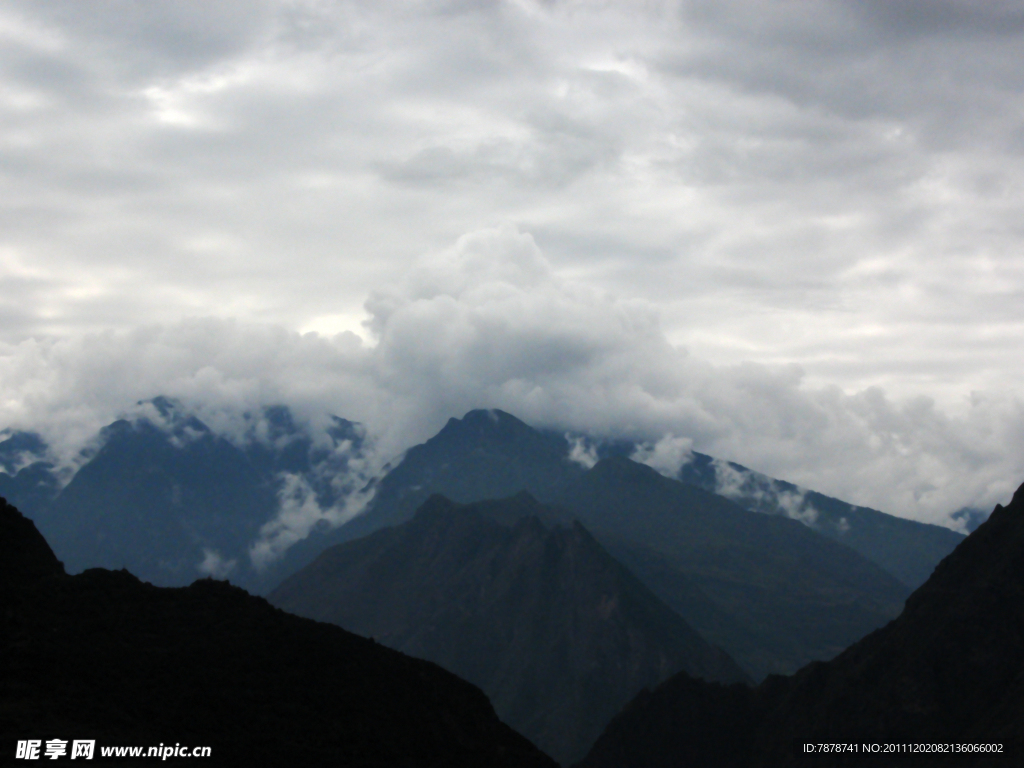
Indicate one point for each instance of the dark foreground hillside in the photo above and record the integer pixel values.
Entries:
(949, 670)
(104, 656)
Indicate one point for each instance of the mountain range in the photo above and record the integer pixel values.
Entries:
(594, 577)
(166, 497)
(769, 590)
(170, 463)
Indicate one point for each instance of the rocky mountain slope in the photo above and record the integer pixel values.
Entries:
(555, 631)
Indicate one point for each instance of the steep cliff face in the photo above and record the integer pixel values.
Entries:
(555, 631)
(104, 656)
(950, 669)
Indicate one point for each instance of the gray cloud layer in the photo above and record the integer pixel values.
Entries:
(488, 322)
(831, 184)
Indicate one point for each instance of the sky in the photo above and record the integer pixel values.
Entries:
(788, 232)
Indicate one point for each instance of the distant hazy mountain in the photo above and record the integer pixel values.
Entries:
(163, 499)
(103, 656)
(770, 591)
(949, 670)
(907, 549)
(556, 632)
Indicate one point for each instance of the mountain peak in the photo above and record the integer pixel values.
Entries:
(486, 421)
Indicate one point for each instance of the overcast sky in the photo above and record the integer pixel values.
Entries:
(789, 231)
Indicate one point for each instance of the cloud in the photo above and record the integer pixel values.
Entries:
(765, 494)
(582, 451)
(667, 456)
(299, 512)
(488, 322)
(214, 564)
(832, 183)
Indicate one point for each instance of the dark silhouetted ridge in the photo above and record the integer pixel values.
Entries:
(25, 557)
(104, 656)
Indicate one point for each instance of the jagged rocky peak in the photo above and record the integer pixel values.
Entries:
(173, 414)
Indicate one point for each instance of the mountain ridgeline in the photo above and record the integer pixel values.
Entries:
(556, 632)
(103, 656)
(169, 481)
(948, 671)
(769, 590)
(170, 499)
(564, 586)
